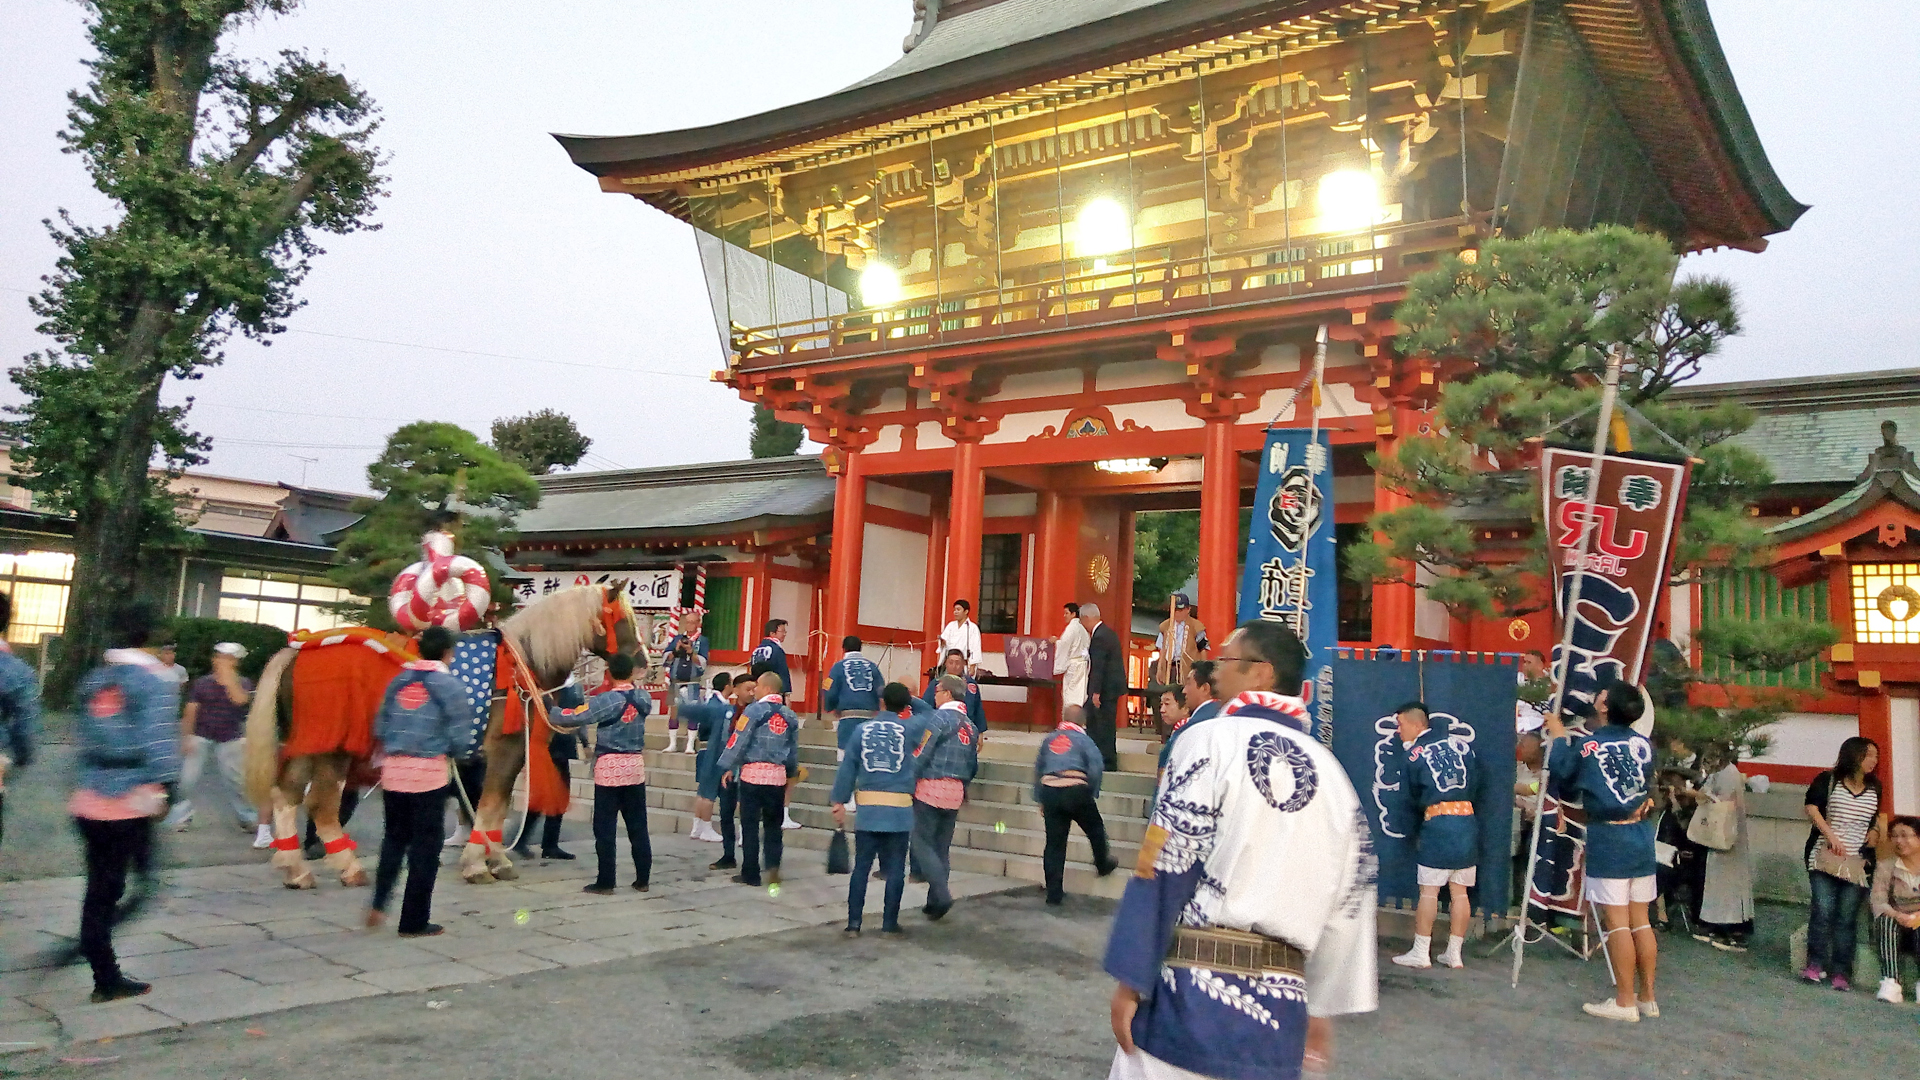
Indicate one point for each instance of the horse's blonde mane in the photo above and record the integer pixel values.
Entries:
(554, 630)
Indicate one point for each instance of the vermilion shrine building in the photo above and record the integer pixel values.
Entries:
(1064, 261)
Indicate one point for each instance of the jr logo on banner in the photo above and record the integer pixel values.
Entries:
(1289, 576)
(1633, 523)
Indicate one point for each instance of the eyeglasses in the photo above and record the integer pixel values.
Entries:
(1239, 660)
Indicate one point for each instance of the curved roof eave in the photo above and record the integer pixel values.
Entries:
(1065, 51)
(1699, 47)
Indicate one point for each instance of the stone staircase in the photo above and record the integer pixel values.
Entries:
(999, 833)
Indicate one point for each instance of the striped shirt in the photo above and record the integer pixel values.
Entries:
(1849, 816)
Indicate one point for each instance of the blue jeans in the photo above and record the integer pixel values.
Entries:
(1831, 923)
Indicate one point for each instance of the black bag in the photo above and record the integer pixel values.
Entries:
(838, 860)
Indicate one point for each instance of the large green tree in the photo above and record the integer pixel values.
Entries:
(1523, 331)
(1166, 552)
(222, 171)
(540, 441)
(772, 436)
(431, 476)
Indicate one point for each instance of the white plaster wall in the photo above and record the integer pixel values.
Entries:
(893, 576)
(1018, 504)
(931, 437)
(1904, 754)
(1039, 384)
(1138, 373)
(898, 663)
(793, 601)
(895, 398)
(1157, 415)
(1430, 618)
(886, 442)
(1680, 614)
(1023, 426)
(1811, 739)
(902, 499)
(1277, 359)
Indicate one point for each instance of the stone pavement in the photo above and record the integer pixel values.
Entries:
(229, 941)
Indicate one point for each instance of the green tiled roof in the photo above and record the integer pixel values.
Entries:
(1819, 429)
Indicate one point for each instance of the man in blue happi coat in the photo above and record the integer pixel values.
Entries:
(878, 776)
(852, 690)
(956, 664)
(1610, 772)
(1442, 778)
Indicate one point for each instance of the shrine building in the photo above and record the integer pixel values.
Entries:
(1064, 261)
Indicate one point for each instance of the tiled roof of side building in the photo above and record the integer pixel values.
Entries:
(682, 500)
(1818, 429)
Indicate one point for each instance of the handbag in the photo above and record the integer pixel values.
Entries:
(1716, 825)
(1851, 869)
(838, 860)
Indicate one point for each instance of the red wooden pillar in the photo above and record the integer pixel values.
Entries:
(762, 601)
(843, 572)
(1219, 531)
(967, 508)
(932, 616)
(1392, 604)
(1048, 586)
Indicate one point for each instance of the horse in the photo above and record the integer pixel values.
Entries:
(320, 737)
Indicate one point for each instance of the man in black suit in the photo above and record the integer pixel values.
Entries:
(1106, 683)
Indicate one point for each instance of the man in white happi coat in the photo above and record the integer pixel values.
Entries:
(1070, 660)
(1248, 924)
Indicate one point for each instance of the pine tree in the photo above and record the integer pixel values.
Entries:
(1523, 329)
(540, 441)
(773, 437)
(222, 171)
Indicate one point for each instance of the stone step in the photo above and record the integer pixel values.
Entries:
(1023, 833)
(997, 749)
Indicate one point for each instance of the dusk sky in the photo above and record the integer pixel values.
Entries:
(503, 281)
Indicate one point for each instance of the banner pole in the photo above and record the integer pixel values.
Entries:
(1609, 395)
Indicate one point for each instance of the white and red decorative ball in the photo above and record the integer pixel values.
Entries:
(442, 589)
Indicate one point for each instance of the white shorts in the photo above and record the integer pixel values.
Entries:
(1430, 877)
(1141, 1065)
(1620, 891)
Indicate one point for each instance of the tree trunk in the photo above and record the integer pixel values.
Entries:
(107, 540)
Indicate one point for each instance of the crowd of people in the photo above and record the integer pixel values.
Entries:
(1667, 842)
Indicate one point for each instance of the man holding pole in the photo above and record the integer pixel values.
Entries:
(1610, 771)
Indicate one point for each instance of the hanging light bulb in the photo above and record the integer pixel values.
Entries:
(1349, 199)
(1102, 228)
(879, 285)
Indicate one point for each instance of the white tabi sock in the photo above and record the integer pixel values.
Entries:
(672, 737)
(1451, 957)
(1418, 956)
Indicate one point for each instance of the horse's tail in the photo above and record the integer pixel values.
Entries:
(263, 729)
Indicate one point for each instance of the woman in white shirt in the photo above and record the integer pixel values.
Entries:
(1070, 659)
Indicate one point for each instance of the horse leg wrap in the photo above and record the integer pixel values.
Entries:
(340, 852)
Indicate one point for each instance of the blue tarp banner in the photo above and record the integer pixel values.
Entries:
(1471, 693)
(1289, 574)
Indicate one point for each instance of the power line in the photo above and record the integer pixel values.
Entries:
(470, 352)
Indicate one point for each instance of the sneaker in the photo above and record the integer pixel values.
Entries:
(741, 879)
(1842, 984)
(429, 930)
(1649, 1010)
(789, 823)
(723, 864)
(1413, 958)
(599, 890)
(1890, 992)
(120, 987)
(1611, 1010)
(1812, 973)
(558, 853)
(262, 837)
(640, 886)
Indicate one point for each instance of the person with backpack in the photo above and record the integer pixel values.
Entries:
(127, 728)
(422, 718)
(619, 715)
(19, 709)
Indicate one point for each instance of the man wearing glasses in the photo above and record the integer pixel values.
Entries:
(1248, 923)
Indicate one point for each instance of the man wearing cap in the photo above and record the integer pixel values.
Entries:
(1182, 641)
(213, 724)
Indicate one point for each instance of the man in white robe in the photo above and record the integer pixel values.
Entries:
(1249, 921)
(1070, 659)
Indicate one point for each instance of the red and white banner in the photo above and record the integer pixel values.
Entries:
(1632, 524)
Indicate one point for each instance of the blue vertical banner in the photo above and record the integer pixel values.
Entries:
(1289, 574)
